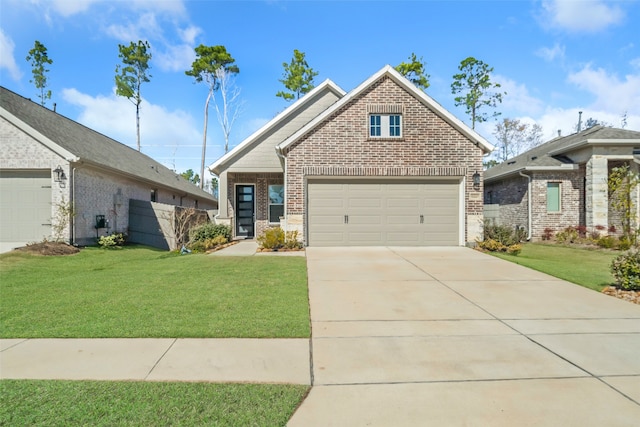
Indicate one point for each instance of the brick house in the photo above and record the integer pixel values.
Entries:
(48, 160)
(560, 183)
(381, 165)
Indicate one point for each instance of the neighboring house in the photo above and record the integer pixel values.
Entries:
(48, 160)
(560, 183)
(382, 165)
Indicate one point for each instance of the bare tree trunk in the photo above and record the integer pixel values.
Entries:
(204, 138)
(138, 123)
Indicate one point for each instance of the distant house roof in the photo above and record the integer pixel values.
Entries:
(399, 79)
(79, 144)
(239, 150)
(555, 154)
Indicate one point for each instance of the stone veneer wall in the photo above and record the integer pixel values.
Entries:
(341, 147)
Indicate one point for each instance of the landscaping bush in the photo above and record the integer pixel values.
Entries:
(291, 240)
(112, 240)
(272, 238)
(500, 238)
(209, 230)
(568, 235)
(626, 270)
(607, 242)
(547, 233)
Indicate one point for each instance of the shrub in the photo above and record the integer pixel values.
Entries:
(547, 233)
(607, 242)
(612, 228)
(503, 234)
(568, 235)
(112, 240)
(291, 240)
(209, 230)
(582, 231)
(626, 270)
(624, 243)
(272, 238)
(514, 249)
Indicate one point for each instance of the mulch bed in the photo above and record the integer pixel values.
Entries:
(49, 248)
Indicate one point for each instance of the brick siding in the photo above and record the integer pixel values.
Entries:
(341, 146)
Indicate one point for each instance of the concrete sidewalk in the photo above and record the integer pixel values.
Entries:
(450, 336)
(213, 360)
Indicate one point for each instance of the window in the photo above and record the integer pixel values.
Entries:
(154, 195)
(553, 197)
(385, 125)
(276, 202)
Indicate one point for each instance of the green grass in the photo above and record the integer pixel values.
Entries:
(138, 292)
(98, 403)
(585, 267)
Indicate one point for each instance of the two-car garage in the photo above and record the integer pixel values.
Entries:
(372, 212)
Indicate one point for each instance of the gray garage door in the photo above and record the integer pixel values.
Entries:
(383, 213)
(25, 205)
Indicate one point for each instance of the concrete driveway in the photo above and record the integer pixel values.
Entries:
(453, 337)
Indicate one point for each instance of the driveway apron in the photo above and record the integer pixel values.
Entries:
(451, 336)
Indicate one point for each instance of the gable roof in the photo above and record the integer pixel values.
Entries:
(79, 144)
(289, 112)
(402, 81)
(554, 154)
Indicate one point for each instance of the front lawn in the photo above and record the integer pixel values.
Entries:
(98, 403)
(138, 292)
(586, 267)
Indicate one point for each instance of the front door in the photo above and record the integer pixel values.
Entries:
(245, 211)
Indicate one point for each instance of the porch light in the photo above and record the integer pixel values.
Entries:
(476, 180)
(58, 174)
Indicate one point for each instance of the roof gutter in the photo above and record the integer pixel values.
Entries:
(529, 207)
(562, 168)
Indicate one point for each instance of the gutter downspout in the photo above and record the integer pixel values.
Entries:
(73, 201)
(529, 207)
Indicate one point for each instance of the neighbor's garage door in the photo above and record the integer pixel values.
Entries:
(25, 205)
(383, 213)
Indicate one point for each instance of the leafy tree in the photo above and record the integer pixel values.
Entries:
(515, 137)
(297, 77)
(191, 176)
(130, 75)
(39, 59)
(206, 69)
(622, 184)
(414, 70)
(475, 89)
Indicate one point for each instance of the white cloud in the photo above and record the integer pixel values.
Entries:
(68, 8)
(146, 28)
(175, 58)
(517, 98)
(611, 93)
(551, 53)
(580, 16)
(163, 132)
(7, 60)
(635, 63)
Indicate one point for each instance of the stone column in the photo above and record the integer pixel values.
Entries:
(596, 195)
(223, 199)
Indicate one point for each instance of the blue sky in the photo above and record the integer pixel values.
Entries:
(552, 57)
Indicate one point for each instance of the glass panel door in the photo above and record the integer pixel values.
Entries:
(245, 211)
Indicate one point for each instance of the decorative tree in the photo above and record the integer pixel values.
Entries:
(130, 75)
(205, 69)
(39, 59)
(622, 185)
(475, 89)
(414, 70)
(297, 77)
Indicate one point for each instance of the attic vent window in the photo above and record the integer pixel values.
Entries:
(385, 125)
(511, 163)
(534, 157)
